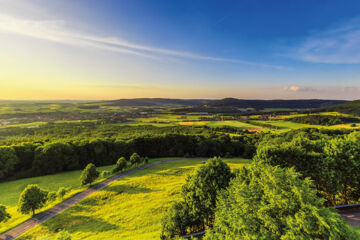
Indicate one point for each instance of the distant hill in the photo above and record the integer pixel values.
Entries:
(263, 104)
(143, 102)
(352, 107)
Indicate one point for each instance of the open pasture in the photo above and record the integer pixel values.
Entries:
(130, 208)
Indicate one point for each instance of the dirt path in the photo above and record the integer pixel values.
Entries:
(41, 217)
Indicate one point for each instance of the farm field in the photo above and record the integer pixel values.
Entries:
(130, 208)
(11, 191)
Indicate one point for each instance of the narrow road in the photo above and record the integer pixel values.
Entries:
(352, 216)
(41, 217)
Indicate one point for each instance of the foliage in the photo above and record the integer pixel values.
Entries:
(89, 174)
(62, 191)
(199, 195)
(121, 164)
(8, 161)
(265, 202)
(135, 159)
(51, 197)
(63, 235)
(332, 162)
(31, 199)
(105, 174)
(325, 120)
(36, 159)
(175, 221)
(4, 215)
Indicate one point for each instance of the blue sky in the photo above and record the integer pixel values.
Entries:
(94, 49)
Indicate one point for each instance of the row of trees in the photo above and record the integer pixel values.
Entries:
(257, 202)
(33, 198)
(40, 159)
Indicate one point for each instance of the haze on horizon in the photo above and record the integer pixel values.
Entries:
(92, 49)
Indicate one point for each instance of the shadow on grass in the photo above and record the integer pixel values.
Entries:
(128, 189)
(77, 223)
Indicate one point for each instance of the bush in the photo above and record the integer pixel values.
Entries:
(62, 192)
(4, 215)
(105, 174)
(135, 159)
(121, 164)
(51, 197)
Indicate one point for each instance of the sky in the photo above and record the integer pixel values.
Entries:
(249, 49)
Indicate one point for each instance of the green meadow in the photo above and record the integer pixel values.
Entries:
(129, 208)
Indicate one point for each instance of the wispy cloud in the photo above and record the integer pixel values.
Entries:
(339, 45)
(57, 31)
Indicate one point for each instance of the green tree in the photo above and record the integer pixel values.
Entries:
(175, 221)
(120, 164)
(266, 202)
(202, 187)
(31, 199)
(135, 159)
(8, 160)
(4, 215)
(89, 174)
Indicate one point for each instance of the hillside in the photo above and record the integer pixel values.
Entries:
(137, 102)
(262, 104)
(231, 105)
(352, 108)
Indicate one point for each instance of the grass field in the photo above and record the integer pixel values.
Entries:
(130, 208)
(10, 191)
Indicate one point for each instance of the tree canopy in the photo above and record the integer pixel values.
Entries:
(31, 199)
(266, 202)
(89, 174)
(4, 215)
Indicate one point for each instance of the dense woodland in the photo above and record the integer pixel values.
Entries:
(325, 120)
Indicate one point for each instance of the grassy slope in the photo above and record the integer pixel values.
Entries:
(130, 208)
(10, 191)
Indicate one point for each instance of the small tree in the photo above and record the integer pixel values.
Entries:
(89, 174)
(31, 199)
(175, 221)
(201, 189)
(4, 215)
(135, 159)
(120, 164)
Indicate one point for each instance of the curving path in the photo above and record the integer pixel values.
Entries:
(41, 217)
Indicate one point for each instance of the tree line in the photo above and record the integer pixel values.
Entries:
(36, 159)
(256, 202)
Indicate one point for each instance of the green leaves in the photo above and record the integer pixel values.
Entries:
(31, 199)
(89, 174)
(4, 215)
(266, 202)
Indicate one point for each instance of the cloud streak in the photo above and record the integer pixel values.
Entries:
(56, 31)
(339, 45)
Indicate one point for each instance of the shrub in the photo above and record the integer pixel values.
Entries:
(135, 159)
(62, 192)
(105, 174)
(4, 215)
(51, 196)
(121, 164)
